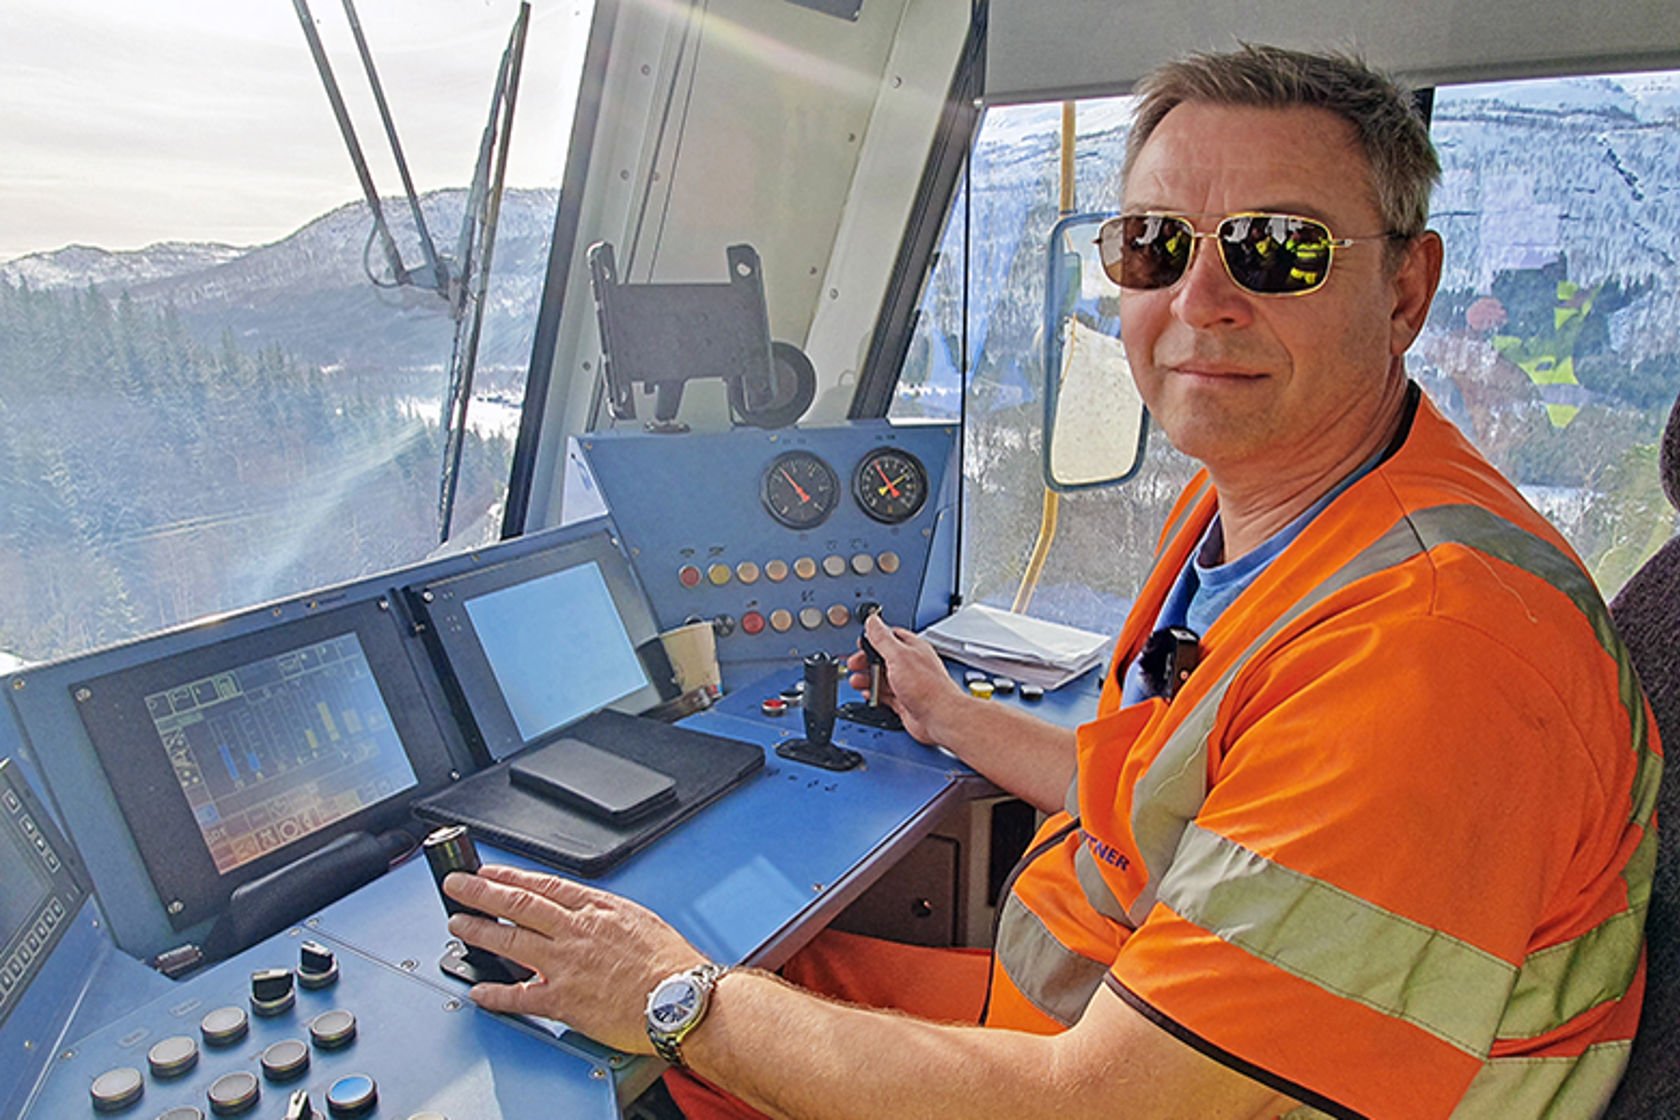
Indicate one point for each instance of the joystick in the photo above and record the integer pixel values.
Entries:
(822, 685)
(871, 712)
(451, 848)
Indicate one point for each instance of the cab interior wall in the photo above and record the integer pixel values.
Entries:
(795, 131)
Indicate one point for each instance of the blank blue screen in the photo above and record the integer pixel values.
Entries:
(557, 648)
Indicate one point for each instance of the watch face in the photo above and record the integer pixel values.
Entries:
(674, 1004)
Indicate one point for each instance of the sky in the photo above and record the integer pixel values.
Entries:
(128, 122)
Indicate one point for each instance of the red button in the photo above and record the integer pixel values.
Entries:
(772, 705)
(689, 575)
(752, 622)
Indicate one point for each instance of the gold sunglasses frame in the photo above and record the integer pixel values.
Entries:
(1331, 244)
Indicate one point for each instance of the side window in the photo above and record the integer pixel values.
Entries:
(996, 261)
(212, 390)
(1554, 342)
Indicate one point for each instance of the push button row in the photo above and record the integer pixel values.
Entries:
(719, 574)
(781, 620)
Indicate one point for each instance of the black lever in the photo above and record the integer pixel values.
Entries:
(822, 690)
(872, 712)
(451, 848)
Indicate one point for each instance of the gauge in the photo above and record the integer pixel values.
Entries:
(890, 485)
(799, 490)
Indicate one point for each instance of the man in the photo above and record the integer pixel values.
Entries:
(1367, 827)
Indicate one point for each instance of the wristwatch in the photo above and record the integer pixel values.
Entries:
(675, 1007)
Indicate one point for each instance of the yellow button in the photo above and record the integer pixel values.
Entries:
(719, 574)
(805, 568)
(810, 618)
(887, 562)
(981, 689)
(781, 620)
(746, 571)
(839, 614)
(777, 570)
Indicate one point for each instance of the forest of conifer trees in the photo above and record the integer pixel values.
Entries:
(245, 455)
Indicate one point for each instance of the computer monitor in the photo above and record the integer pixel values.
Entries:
(233, 759)
(537, 643)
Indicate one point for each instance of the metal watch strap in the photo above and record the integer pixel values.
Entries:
(669, 1046)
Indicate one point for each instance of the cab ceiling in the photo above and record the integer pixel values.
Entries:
(1040, 50)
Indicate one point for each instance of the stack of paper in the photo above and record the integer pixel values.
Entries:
(1028, 650)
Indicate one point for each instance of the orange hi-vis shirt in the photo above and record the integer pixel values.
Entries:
(1389, 849)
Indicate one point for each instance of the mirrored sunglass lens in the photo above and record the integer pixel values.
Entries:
(1275, 253)
(1145, 250)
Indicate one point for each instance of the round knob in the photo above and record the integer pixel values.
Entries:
(354, 1095)
(234, 1093)
(272, 991)
(317, 966)
(182, 1112)
(224, 1026)
(331, 1029)
(172, 1057)
(285, 1060)
(117, 1088)
(776, 570)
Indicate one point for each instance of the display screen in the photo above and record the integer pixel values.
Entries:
(557, 647)
(24, 885)
(271, 751)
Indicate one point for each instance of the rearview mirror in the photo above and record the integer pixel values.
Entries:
(1095, 426)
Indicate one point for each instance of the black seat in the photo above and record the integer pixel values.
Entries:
(1647, 612)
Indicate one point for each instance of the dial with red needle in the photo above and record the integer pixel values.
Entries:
(891, 485)
(799, 490)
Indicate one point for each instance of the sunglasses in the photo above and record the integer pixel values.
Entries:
(1266, 254)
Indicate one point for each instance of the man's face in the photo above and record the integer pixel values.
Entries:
(1249, 382)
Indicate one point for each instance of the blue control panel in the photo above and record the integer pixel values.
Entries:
(777, 537)
(238, 789)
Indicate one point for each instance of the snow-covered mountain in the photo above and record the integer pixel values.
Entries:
(310, 294)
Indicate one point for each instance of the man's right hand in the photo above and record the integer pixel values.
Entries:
(915, 682)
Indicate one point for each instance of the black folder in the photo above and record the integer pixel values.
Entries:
(518, 819)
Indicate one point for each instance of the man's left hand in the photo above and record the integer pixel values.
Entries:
(596, 956)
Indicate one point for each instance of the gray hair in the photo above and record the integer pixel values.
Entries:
(1385, 121)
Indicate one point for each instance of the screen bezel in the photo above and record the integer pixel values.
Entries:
(489, 721)
(171, 846)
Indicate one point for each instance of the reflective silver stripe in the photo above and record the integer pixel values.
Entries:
(1096, 888)
(1558, 1088)
(1561, 981)
(1055, 979)
(1339, 941)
